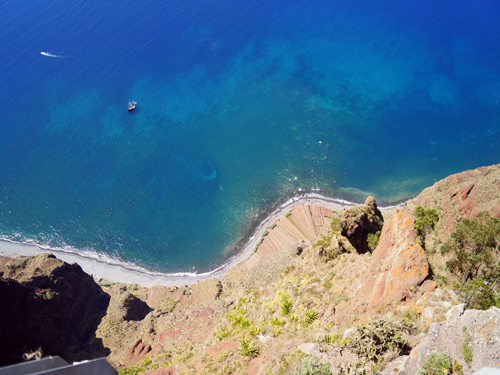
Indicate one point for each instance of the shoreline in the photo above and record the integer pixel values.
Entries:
(120, 273)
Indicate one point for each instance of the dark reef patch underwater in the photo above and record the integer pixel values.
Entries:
(241, 105)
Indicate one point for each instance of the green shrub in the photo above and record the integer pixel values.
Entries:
(312, 366)
(336, 225)
(426, 222)
(373, 339)
(478, 294)
(467, 353)
(310, 317)
(273, 224)
(327, 284)
(187, 292)
(254, 331)
(132, 287)
(286, 306)
(265, 233)
(373, 240)
(246, 348)
(167, 305)
(277, 322)
(286, 214)
(440, 364)
(474, 244)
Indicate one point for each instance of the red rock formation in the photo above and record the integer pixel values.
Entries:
(397, 264)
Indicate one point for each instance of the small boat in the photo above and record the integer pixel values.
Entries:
(131, 106)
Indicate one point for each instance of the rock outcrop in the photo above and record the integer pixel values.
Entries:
(358, 221)
(49, 304)
(398, 263)
(478, 330)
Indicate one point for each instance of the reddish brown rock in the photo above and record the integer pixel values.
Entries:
(137, 352)
(397, 264)
(462, 195)
(169, 334)
(203, 313)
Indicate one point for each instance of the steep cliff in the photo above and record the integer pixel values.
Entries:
(50, 305)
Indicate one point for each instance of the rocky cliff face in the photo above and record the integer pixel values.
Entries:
(397, 264)
(461, 195)
(49, 304)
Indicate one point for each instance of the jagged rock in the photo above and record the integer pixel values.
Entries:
(479, 330)
(398, 263)
(456, 311)
(49, 304)
(358, 221)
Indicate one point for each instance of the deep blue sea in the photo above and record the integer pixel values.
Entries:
(241, 106)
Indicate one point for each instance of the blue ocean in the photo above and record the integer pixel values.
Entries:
(241, 105)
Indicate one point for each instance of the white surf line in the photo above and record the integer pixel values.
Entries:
(48, 54)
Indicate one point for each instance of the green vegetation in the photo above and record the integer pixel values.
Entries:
(132, 287)
(475, 252)
(474, 244)
(310, 317)
(426, 222)
(277, 322)
(336, 225)
(312, 366)
(246, 348)
(373, 240)
(286, 306)
(286, 214)
(265, 233)
(466, 352)
(167, 305)
(373, 339)
(440, 364)
(273, 224)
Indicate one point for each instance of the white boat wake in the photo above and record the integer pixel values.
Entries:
(50, 55)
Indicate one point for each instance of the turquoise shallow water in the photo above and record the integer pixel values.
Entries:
(240, 107)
